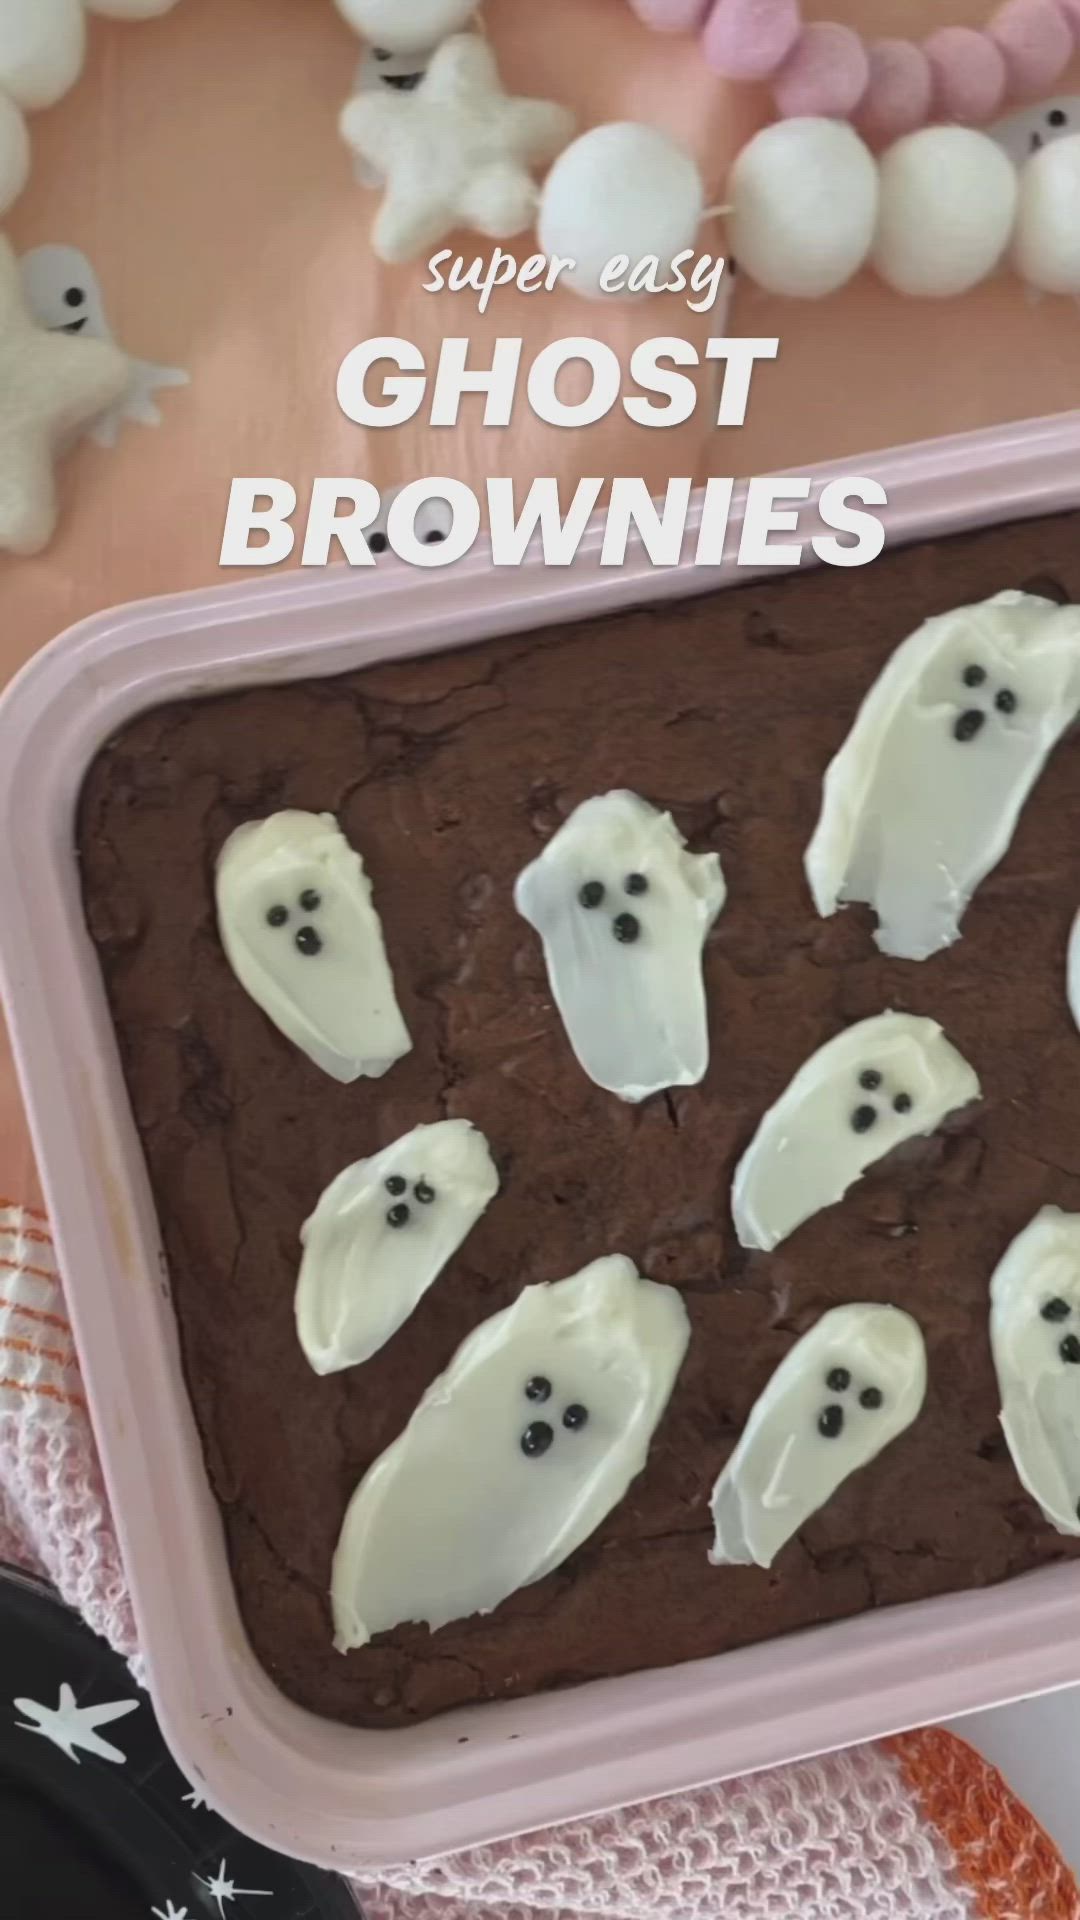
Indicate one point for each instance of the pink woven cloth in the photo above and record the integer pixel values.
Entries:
(918, 1828)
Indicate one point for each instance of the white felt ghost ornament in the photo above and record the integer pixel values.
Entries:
(455, 150)
(303, 938)
(1034, 1329)
(623, 910)
(922, 799)
(514, 1455)
(382, 1233)
(50, 389)
(846, 1389)
(379, 71)
(64, 296)
(881, 1082)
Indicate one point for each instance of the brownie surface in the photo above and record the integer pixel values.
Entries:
(449, 774)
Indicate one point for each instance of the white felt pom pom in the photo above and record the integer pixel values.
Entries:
(14, 152)
(406, 26)
(803, 195)
(945, 213)
(1046, 239)
(42, 43)
(619, 189)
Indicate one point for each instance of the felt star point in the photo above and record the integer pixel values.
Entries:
(455, 149)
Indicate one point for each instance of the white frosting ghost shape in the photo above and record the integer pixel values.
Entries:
(382, 1233)
(1035, 1336)
(623, 910)
(923, 797)
(304, 940)
(64, 295)
(380, 71)
(847, 1388)
(514, 1455)
(882, 1081)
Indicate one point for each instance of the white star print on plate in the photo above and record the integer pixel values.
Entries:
(221, 1888)
(169, 1912)
(195, 1800)
(69, 1726)
(455, 151)
(50, 388)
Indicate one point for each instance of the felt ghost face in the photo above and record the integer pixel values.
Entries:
(1035, 1336)
(304, 940)
(382, 1233)
(884, 1081)
(1023, 133)
(846, 1389)
(623, 910)
(406, 26)
(380, 71)
(923, 797)
(514, 1455)
(434, 522)
(62, 292)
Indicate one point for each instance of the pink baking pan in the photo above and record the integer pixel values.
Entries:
(345, 1798)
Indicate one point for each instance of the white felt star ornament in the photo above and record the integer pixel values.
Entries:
(456, 151)
(50, 387)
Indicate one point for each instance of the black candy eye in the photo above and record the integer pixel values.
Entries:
(838, 1380)
(424, 1193)
(308, 942)
(1056, 1309)
(626, 927)
(831, 1422)
(277, 916)
(536, 1438)
(871, 1397)
(903, 1103)
(863, 1119)
(396, 1183)
(538, 1388)
(1070, 1349)
(377, 543)
(636, 883)
(871, 1079)
(974, 676)
(398, 1216)
(1006, 701)
(575, 1417)
(74, 297)
(310, 900)
(591, 893)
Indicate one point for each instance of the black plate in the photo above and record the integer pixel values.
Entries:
(87, 1834)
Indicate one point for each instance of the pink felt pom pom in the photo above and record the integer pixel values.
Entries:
(1036, 40)
(898, 92)
(750, 39)
(970, 75)
(826, 74)
(671, 16)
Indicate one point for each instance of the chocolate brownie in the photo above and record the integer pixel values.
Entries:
(449, 773)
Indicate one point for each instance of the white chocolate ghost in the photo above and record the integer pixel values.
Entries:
(304, 940)
(514, 1455)
(1038, 125)
(380, 1236)
(378, 71)
(881, 1082)
(623, 910)
(64, 296)
(1035, 1337)
(433, 522)
(923, 797)
(847, 1388)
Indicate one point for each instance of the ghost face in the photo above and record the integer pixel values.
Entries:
(62, 292)
(849, 1387)
(922, 800)
(515, 1454)
(1039, 125)
(303, 939)
(382, 1233)
(434, 522)
(884, 1081)
(380, 71)
(623, 910)
(1035, 1336)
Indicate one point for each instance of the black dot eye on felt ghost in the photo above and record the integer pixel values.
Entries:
(591, 894)
(424, 1192)
(538, 1388)
(536, 1439)
(575, 1418)
(398, 1215)
(831, 1422)
(627, 928)
(1056, 1309)
(1070, 1350)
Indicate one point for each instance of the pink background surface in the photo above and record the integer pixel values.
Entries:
(197, 163)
